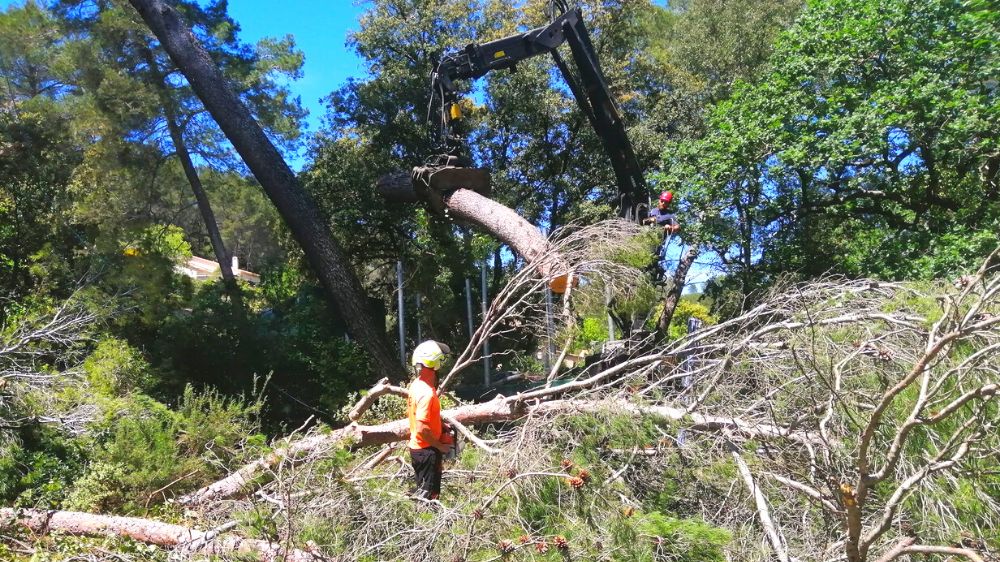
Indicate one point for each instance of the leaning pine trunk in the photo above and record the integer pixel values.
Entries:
(279, 182)
(191, 172)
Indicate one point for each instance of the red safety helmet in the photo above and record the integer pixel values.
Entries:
(666, 197)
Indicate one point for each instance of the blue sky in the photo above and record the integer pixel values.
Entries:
(320, 28)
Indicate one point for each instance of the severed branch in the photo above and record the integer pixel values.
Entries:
(907, 545)
(468, 434)
(380, 389)
(502, 410)
(495, 218)
(763, 511)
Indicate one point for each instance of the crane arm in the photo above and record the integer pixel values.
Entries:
(589, 88)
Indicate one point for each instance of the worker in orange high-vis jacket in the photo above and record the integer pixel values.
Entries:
(430, 439)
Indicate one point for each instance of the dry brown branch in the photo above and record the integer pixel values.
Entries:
(908, 545)
(763, 511)
(41, 356)
(380, 389)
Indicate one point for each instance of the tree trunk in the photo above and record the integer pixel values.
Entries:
(502, 222)
(279, 182)
(496, 411)
(177, 136)
(674, 295)
(148, 531)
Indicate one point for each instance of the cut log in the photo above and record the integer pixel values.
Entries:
(496, 411)
(192, 541)
(502, 222)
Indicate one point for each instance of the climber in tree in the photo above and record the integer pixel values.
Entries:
(663, 216)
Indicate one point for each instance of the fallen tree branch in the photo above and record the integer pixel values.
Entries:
(382, 388)
(149, 531)
(907, 545)
(496, 411)
(468, 434)
(763, 511)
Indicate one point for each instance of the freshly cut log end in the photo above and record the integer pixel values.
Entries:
(559, 283)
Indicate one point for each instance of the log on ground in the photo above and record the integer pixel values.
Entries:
(149, 531)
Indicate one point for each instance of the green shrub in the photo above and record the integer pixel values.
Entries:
(115, 368)
(686, 309)
(684, 540)
(147, 452)
(39, 470)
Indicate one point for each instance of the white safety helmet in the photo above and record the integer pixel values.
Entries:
(430, 354)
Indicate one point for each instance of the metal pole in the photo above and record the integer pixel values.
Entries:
(468, 306)
(486, 337)
(607, 307)
(420, 334)
(693, 325)
(402, 313)
(549, 351)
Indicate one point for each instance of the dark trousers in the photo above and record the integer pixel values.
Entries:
(428, 464)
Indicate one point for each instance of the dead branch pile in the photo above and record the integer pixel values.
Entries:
(836, 420)
(41, 355)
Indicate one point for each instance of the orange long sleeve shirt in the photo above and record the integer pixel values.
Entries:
(423, 404)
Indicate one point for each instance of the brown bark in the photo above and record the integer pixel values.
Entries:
(499, 220)
(279, 182)
(150, 532)
(501, 410)
(674, 295)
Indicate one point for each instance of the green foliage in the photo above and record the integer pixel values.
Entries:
(35, 235)
(295, 342)
(115, 368)
(858, 151)
(592, 329)
(686, 309)
(140, 276)
(142, 446)
(39, 470)
(596, 432)
(684, 539)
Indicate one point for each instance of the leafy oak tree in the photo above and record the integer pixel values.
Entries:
(869, 147)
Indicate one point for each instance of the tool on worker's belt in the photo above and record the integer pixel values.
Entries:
(449, 169)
